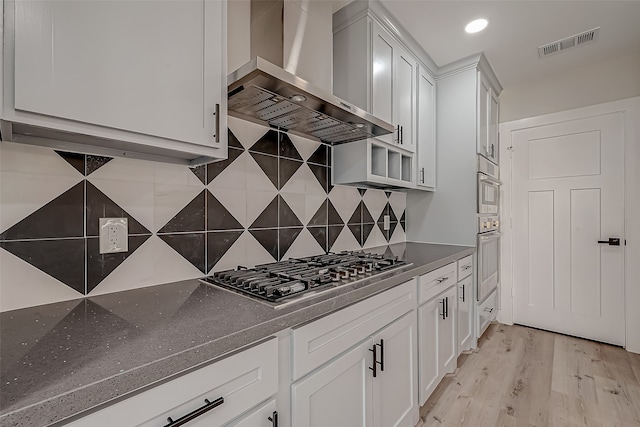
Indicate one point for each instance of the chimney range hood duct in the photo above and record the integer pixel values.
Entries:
(265, 93)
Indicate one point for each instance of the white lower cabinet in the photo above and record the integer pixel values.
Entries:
(212, 396)
(465, 314)
(436, 341)
(373, 384)
(264, 415)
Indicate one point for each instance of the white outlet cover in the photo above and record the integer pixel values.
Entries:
(114, 235)
(387, 222)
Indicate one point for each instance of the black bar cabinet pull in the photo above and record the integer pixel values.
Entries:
(446, 306)
(274, 419)
(444, 314)
(195, 414)
(375, 360)
(462, 293)
(217, 114)
(613, 241)
(381, 362)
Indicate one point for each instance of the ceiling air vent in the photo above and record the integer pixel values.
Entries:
(567, 43)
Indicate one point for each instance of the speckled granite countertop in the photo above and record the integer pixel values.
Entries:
(60, 359)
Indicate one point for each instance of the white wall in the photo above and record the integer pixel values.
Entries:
(601, 82)
(238, 40)
(631, 107)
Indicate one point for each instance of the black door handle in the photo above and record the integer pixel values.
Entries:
(274, 419)
(375, 360)
(613, 241)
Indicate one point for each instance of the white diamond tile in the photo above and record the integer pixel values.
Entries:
(345, 241)
(33, 160)
(129, 170)
(169, 199)
(23, 285)
(257, 201)
(376, 238)
(398, 202)
(345, 200)
(297, 204)
(234, 256)
(235, 201)
(303, 181)
(256, 253)
(375, 201)
(305, 245)
(311, 205)
(306, 147)
(236, 174)
(398, 235)
(246, 132)
(137, 198)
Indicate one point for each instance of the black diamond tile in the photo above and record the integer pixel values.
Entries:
(320, 234)
(366, 231)
(329, 183)
(267, 144)
(385, 233)
(332, 215)
(190, 218)
(269, 216)
(61, 217)
(362, 191)
(287, 149)
(286, 237)
(269, 166)
(62, 259)
(320, 217)
(403, 222)
(191, 246)
(333, 233)
(268, 239)
(392, 215)
(287, 217)
(392, 228)
(201, 173)
(366, 215)
(356, 230)
(322, 175)
(101, 206)
(93, 163)
(287, 169)
(218, 243)
(218, 217)
(388, 193)
(99, 266)
(74, 159)
(216, 168)
(356, 218)
(232, 140)
(320, 156)
(389, 253)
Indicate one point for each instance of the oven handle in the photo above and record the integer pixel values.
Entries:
(489, 236)
(490, 179)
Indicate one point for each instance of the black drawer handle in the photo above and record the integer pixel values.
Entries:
(442, 279)
(274, 419)
(195, 414)
(375, 360)
(613, 241)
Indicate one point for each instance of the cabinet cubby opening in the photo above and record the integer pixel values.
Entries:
(378, 160)
(395, 165)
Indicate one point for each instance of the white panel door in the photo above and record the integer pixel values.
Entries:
(465, 314)
(568, 194)
(447, 342)
(383, 53)
(428, 321)
(404, 98)
(395, 401)
(426, 138)
(337, 395)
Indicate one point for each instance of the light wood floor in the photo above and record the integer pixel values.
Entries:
(527, 377)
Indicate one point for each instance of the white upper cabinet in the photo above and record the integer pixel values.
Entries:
(148, 73)
(426, 138)
(488, 105)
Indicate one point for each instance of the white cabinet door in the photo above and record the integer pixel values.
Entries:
(493, 144)
(147, 67)
(337, 395)
(465, 314)
(447, 356)
(395, 403)
(404, 97)
(426, 138)
(484, 106)
(428, 329)
(384, 53)
(262, 416)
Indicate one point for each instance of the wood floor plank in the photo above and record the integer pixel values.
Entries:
(527, 377)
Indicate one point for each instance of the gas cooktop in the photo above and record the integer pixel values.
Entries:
(280, 282)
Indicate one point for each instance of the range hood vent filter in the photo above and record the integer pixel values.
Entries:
(568, 43)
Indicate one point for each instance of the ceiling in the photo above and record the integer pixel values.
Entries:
(516, 29)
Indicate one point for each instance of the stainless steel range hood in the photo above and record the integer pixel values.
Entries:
(266, 93)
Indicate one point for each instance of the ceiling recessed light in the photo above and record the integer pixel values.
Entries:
(476, 26)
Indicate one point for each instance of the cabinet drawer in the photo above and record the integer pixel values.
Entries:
(243, 380)
(320, 341)
(436, 281)
(465, 267)
(487, 312)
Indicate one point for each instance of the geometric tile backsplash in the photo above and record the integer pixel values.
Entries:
(272, 199)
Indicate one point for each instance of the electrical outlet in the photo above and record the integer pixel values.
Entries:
(387, 222)
(114, 235)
